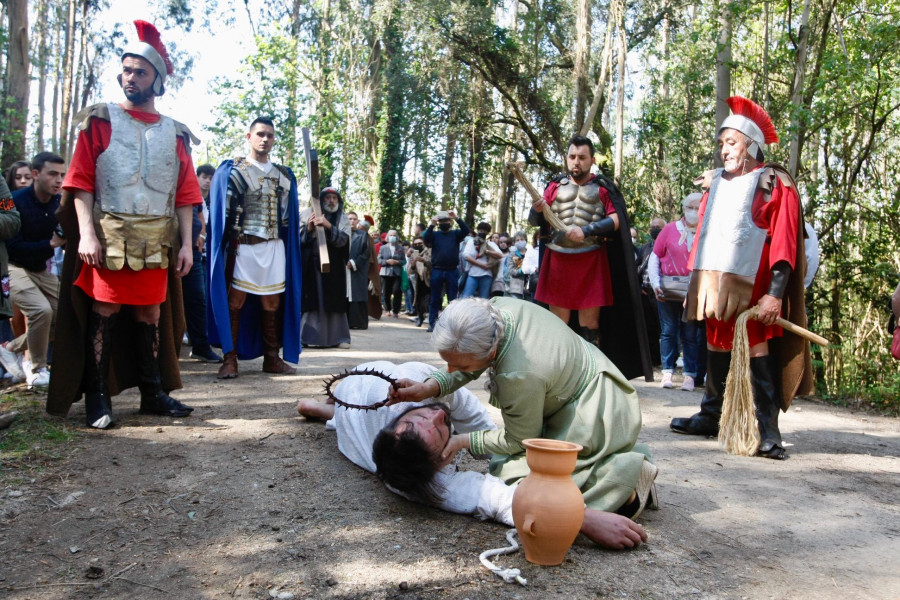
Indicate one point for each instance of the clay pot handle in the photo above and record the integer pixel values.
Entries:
(528, 526)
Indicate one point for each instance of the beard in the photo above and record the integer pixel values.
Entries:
(330, 208)
(138, 97)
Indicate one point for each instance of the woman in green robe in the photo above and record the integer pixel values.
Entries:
(547, 382)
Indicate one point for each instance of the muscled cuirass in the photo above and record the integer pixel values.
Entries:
(577, 205)
(265, 198)
(134, 195)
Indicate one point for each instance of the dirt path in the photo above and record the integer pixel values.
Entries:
(245, 500)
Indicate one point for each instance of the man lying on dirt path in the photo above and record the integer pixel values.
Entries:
(432, 421)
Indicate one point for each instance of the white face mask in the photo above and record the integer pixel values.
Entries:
(691, 216)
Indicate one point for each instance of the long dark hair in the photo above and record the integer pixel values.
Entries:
(403, 462)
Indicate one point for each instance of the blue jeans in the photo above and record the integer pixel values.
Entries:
(440, 278)
(193, 289)
(672, 331)
(477, 286)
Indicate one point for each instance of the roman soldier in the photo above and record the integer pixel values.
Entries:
(128, 202)
(254, 250)
(588, 265)
(748, 251)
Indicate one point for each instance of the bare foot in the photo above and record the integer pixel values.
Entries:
(612, 531)
(315, 410)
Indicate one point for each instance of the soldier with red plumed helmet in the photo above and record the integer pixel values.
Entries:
(748, 250)
(127, 210)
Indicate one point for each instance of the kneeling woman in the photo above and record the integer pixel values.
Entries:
(547, 382)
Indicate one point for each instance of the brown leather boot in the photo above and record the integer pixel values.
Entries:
(272, 363)
(229, 368)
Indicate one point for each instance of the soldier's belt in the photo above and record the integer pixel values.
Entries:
(251, 240)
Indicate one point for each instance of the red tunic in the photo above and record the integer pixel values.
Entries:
(780, 217)
(126, 286)
(575, 281)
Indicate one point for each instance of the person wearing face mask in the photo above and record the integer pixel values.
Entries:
(324, 301)
(515, 270)
(668, 274)
(444, 243)
(748, 251)
(391, 257)
(419, 270)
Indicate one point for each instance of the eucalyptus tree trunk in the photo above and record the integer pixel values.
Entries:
(723, 62)
(447, 180)
(605, 62)
(18, 69)
(42, 16)
(68, 74)
(582, 58)
(620, 95)
(797, 91)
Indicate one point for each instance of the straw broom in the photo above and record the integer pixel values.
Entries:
(738, 433)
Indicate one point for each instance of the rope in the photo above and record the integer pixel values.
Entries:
(508, 575)
(738, 433)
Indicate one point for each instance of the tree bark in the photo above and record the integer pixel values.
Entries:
(582, 59)
(449, 154)
(797, 91)
(68, 73)
(723, 62)
(620, 94)
(42, 18)
(18, 69)
(605, 61)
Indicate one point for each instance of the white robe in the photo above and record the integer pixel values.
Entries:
(464, 492)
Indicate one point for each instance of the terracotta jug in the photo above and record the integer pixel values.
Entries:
(548, 508)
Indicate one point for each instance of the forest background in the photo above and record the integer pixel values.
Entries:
(417, 105)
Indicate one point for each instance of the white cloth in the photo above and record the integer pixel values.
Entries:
(471, 251)
(530, 263)
(464, 492)
(811, 248)
(259, 268)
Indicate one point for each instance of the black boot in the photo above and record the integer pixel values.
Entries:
(154, 400)
(706, 422)
(591, 335)
(768, 404)
(97, 403)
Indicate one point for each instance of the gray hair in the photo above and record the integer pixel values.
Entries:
(470, 326)
(521, 234)
(695, 196)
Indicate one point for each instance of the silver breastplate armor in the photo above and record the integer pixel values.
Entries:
(577, 205)
(138, 172)
(261, 199)
(730, 242)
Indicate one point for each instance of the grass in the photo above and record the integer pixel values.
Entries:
(33, 440)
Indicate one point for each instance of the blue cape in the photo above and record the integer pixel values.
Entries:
(250, 343)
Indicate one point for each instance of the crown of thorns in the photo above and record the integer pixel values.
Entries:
(354, 372)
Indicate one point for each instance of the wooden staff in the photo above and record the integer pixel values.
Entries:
(312, 176)
(516, 169)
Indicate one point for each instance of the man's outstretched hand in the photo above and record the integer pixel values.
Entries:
(612, 531)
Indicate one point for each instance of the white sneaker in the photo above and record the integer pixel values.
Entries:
(10, 361)
(688, 383)
(667, 380)
(39, 378)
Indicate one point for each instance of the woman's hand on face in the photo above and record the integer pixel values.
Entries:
(456, 443)
(408, 390)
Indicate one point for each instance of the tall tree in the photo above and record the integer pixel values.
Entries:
(18, 70)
